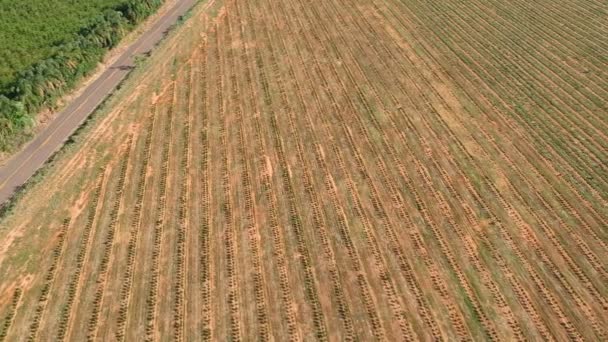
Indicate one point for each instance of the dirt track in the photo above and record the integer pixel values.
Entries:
(26, 162)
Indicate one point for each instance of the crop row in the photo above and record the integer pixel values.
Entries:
(541, 74)
(387, 285)
(75, 283)
(403, 264)
(205, 203)
(227, 207)
(555, 59)
(541, 286)
(522, 296)
(108, 244)
(10, 315)
(179, 311)
(355, 260)
(557, 244)
(385, 277)
(151, 299)
(48, 280)
(472, 255)
(561, 200)
(363, 283)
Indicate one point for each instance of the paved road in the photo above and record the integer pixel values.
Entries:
(24, 164)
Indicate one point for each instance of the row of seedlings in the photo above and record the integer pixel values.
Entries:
(10, 315)
(227, 207)
(579, 274)
(205, 260)
(485, 66)
(472, 254)
(179, 311)
(364, 286)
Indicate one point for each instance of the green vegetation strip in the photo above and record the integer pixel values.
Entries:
(48, 46)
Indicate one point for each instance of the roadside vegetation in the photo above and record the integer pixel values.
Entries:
(48, 46)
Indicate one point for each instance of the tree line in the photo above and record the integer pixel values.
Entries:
(44, 82)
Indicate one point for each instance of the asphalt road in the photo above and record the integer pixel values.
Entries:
(17, 170)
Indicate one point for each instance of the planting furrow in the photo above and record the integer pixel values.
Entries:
(108, 243)
(49, 279)
(183, 224)
(557, 243)
(473, 257)
(344, 311)
(522, 295)
(557, 57)
(387, 283)
(204, 234)
(457, 320)
(517, 219)
(76, 279)
(568, 37)
(8, 319)
(500, 260)
(310, 283)
(384, 274)
(230, 245)
(278, 240)
(465, 238)
(559, 60)
(356, 264)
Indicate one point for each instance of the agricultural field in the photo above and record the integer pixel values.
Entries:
(332, 170)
